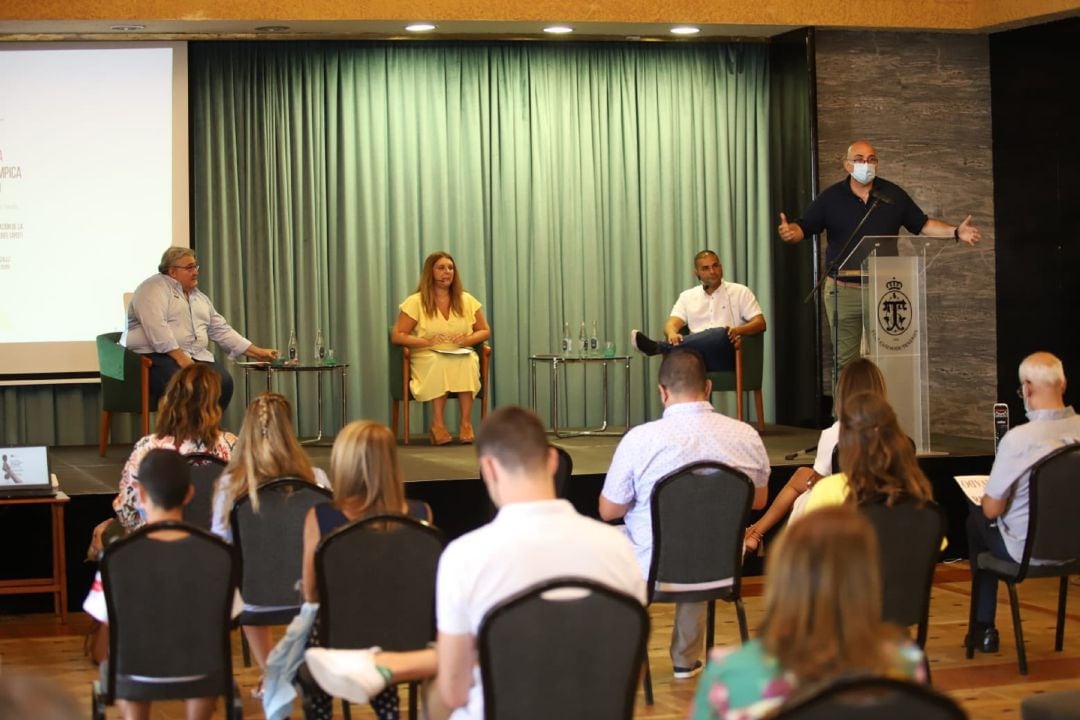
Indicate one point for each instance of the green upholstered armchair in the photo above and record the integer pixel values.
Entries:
(399, 384)
(125, 383)
(746, 377)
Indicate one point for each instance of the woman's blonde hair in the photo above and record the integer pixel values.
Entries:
(266, 449)
(859, 375)
(823, 598)
(364, 468)
(875, 454)
(426, 286)
(189, 409)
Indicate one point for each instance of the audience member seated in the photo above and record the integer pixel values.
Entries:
(1001, 525)
(821, 621)
(164, 488)
(717, 313)
(534, 537)
(437, 322)
(860, 375)
(267, 449)
(188, 421)
(689, 431)
(877, 459)
(367, 480)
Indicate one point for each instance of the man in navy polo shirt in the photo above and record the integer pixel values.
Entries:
(838, 211)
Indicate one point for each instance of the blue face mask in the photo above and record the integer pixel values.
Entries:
(863, 172)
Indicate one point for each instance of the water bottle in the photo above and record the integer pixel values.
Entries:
(582, 341)
(320, 347)
(594, 342)
(567, 343)
(292, 345)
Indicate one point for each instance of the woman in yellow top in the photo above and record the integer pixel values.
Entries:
(877, 459)
(439, 323)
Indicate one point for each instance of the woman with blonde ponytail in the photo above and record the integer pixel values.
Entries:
(267, 449)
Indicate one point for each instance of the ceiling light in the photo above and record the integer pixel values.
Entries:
(685, 30)
(558, 30)
(420, 27)
(272, 28)
(127, 28)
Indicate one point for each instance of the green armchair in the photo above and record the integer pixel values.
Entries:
(399, 384)
(746, 377)
(125, 384)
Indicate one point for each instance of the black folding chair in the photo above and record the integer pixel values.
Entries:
(909, 539)
(566, 648)
(563, 472)
(270, 544)
(169, 606)
(376, 580)
(879, 698)
(699, 513)
(1052, 538)
(205, 471)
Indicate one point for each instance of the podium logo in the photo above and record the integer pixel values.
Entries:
(894, 309)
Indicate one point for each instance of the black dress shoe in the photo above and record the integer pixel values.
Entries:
(643, 343)
(986, 640)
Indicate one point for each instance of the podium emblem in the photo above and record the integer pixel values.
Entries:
(894, 309)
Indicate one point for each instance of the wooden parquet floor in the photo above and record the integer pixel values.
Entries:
(989, 686)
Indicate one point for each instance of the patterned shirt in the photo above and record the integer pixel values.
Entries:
(745, 683)
(688, 432)
(126, 504)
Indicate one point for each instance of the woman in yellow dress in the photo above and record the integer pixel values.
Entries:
(440, 323)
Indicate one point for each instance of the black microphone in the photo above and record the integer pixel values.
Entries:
(797, 453)
(878, 195)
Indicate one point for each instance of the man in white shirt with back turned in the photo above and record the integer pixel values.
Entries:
(690, 431)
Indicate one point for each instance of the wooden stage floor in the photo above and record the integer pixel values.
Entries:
(989, 686)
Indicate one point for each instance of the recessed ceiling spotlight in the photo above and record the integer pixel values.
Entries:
(272, 28)
(558, 30)
(127, 28)
(685, 30)
(420, 27)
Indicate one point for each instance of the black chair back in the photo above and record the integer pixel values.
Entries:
(873, 697)
(585, 640)
(909, 539)
(563, 472)
(205, 471)
(169, 606)
(270, 543)
(1055, 495)
(376, 580)
(699, 515)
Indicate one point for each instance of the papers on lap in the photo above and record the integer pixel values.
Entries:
(973, 486)
(451, 350)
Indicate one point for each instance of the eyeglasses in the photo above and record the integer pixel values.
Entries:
(859, 158)
(189, 268)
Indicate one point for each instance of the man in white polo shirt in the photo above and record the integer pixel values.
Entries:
(717, 313)
(534, 537)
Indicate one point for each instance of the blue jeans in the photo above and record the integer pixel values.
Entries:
(982, 536)
(713, 345)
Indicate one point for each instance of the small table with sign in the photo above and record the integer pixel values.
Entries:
(320, 369)
(57, 584)
(553, 362)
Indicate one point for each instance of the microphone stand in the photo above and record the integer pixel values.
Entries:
(841, 259)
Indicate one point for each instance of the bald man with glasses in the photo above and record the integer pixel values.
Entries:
(838, 210)
(171, 321)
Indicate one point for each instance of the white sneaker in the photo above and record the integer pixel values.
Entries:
(349, 674)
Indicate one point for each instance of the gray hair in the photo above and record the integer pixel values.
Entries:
(1042, 369)
(169, 258)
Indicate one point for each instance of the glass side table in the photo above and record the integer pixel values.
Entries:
(553, 362)
(272, 369)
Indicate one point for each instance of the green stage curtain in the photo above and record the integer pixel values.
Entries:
(570, 182)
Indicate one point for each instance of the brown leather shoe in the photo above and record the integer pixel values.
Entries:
(465, 434)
